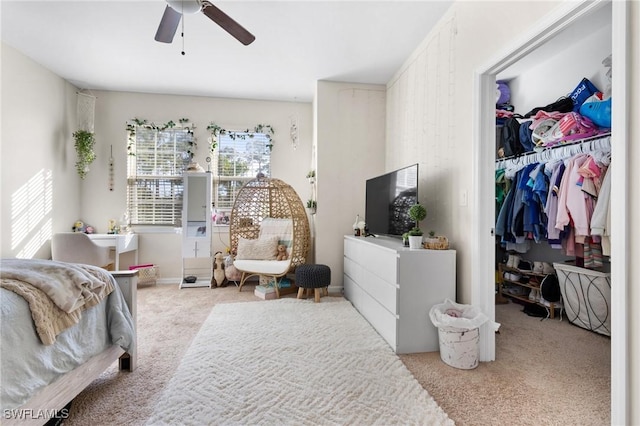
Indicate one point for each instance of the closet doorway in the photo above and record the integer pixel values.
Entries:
(483, 286)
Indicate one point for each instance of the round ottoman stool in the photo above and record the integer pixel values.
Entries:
(317, 277)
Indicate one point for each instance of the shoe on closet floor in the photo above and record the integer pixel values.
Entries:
(534, 295)
(513, 261)
(547, 268)
(511, 276)
(524, 266)
(538, 267)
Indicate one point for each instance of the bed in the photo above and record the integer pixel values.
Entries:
(45, 366)
(586, 295)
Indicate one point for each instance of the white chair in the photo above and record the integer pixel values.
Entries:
(77, 247)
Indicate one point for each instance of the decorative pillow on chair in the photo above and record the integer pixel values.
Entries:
(282, 228)
(263, 248)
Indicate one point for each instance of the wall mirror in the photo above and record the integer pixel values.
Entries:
(196, 211)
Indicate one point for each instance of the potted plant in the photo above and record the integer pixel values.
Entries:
(311, 176)
(311, 206)
(417, 213)
(84, 142)
(432, 237)
(405, 239)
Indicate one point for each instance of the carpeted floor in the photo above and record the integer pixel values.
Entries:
(546, 373)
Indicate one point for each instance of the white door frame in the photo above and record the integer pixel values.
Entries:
(483, 259)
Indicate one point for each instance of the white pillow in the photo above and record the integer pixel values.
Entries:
(263, 248)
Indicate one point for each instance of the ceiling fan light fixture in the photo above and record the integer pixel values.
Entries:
(174, 10)
(187, 7)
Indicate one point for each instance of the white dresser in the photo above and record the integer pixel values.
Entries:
(394, 288)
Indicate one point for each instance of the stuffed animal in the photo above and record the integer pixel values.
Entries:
(78, 226)
(195, 167)
(282, 252)
(218, 270)
(230, 271)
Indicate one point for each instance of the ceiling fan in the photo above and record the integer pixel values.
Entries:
(176, 8)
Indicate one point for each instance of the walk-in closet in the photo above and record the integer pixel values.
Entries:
(552, 158)
(553, 168)
(547, 63)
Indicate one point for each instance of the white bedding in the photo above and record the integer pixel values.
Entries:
(27, 365)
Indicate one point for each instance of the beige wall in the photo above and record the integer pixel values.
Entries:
(634, 213)
(40, 189)
(350, 129)
(429, 114)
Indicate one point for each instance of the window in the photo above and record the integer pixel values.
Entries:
(240, 156)
(157, 159)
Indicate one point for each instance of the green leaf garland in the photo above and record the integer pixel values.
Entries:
(216, 130)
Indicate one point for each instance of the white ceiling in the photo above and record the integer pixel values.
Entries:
(109, 45)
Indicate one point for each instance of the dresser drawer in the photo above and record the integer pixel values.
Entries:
(382, 291)
(378, 289)
(380, 262)
(380, 318)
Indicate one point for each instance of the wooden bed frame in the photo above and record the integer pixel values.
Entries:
(51, 400)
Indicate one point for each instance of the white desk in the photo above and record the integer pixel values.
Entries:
(122, 243)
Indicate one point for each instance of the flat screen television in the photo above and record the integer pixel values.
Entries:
(388, 199)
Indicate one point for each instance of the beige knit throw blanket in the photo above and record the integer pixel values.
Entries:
(56, 292)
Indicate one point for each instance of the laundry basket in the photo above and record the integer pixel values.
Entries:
(147, 274)
(586, 295)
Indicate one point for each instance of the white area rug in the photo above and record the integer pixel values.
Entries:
(291, 361)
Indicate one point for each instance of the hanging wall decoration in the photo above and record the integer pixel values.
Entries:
(84, 137)
(111, 170)
(86, 106)
(137, 122)
(84, 143)
(293, 130)
(215, 131)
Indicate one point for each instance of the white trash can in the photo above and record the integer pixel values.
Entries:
(458, 333)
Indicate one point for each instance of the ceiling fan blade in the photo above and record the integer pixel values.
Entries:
(168, 25)
(227, 24)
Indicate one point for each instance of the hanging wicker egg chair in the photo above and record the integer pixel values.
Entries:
(268, 201)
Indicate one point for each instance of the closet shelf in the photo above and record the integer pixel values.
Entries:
(600, 142)
(534, 284)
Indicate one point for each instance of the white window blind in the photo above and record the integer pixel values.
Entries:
(154, 177)
(239, 158)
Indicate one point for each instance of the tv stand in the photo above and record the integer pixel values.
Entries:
(394, 287)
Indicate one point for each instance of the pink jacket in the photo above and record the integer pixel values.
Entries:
(574, 205)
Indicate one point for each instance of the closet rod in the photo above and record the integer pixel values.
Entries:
(600, 142)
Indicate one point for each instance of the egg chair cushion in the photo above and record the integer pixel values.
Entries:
(263, 248)
(281, 228)
(263, 267)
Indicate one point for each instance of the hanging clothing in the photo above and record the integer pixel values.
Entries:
(554, 200)
(502, 188)
(551, 208)
(601, 218)
(573, 203)
(535, 199)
